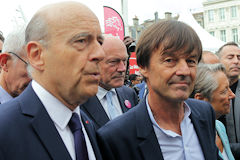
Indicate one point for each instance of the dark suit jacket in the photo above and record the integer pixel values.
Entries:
(132, 137)
(95, 111)
(28, 133)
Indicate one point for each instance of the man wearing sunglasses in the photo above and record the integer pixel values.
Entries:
(13, 77)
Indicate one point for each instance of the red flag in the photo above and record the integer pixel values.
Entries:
(113, 23)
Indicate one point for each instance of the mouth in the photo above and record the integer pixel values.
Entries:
(118, 77)
(235, 68)
(181, 83)
(227, 105)
(95, 75)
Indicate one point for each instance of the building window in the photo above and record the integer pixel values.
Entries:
(223, 35)
(235, 35)
(212, 33)
(210, 15)
(221, 14)
(233, 11)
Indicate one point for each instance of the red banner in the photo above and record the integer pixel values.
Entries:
(113, 22)
(133, 67)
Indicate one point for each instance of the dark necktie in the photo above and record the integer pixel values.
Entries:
(79, 140)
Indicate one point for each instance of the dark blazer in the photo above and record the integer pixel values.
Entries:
(95, 111)
(131, 136)
(28, 133)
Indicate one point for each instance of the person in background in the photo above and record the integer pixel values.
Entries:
(1, 41)
(229, 55)
(130, 47)
(113, 97)
(212, 86)
(63, 43)
(13, 61)
(134, 79)
(165, 124)
(209, 58)
(143, 90)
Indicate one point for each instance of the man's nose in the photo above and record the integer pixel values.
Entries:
(182, 68)
(121, 66)
(98, 53)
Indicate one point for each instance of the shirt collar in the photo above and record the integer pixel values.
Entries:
(187, 112)
(4, 95)
(59, 113)
(102, 92)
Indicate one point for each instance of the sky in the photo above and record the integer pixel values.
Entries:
(10, 15)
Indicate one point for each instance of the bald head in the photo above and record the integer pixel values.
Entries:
(209, 58)
(64, 49)
(57, 18)
(113, 43)
(113, 66)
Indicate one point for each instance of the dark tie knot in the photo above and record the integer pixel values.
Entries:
(74, 123)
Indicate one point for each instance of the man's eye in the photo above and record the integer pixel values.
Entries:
(82, 40)
(100, 42)
(191, 61)
(169, 60)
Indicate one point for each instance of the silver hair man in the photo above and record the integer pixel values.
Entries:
(13, 61)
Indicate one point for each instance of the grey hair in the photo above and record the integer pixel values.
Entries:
(14, 42)
(37, 30)
(206, 81)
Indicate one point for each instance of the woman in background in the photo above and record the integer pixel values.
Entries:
(212, 86)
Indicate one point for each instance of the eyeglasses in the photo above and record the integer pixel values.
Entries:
(19, 57)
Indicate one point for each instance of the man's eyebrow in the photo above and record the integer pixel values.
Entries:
(77, 36)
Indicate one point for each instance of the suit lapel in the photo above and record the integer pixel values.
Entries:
(199, 126)
(42, 125)
(96, 111)
(148, 143)
(121, 98)
(91, 134)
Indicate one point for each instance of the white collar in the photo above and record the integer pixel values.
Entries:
(59, 113)
(102, 92)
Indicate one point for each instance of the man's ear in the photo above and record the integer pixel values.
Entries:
(4, 57)
(198, 96)
(35, 55)
(144, 71)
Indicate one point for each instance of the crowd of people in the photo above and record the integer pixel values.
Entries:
(65, 92)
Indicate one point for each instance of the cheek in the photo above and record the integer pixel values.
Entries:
(193, 72)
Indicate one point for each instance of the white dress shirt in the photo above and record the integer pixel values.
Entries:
(61, 115)
(175, 146)
(103, 100)
(4, 96)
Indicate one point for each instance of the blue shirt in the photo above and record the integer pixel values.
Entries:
(175, 146)
(4, 96)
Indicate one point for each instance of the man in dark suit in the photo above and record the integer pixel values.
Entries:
(102, 107)
(165, 125)
(63, 43)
